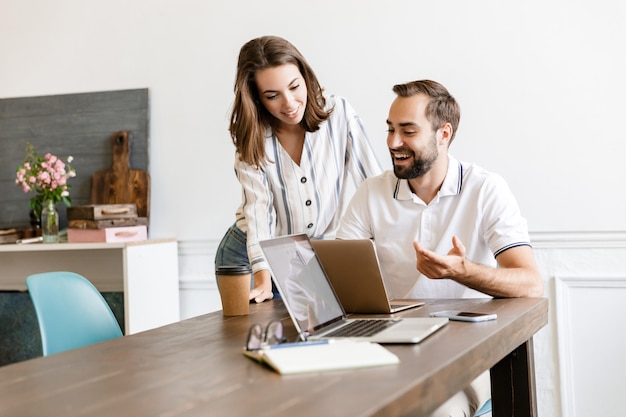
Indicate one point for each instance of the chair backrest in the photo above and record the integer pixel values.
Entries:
(71, 312)
(485, 409)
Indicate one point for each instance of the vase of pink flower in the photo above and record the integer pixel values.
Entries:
(47, 176)
(49, 222)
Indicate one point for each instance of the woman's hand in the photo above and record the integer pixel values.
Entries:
(262, 286)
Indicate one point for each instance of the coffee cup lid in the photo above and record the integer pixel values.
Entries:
(233, 269)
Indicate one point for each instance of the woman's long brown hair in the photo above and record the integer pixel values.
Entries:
(249, 119)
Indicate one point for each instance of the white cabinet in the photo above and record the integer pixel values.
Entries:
(146, 272)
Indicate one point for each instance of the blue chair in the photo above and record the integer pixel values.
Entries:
(71, 312)
(486, 408)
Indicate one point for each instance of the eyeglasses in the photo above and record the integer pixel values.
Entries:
(259, 338)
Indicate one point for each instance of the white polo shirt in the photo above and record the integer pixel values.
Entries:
(475, 205)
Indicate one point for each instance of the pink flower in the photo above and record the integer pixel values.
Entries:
(47, 176)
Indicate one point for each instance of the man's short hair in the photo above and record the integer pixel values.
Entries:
(442, 107)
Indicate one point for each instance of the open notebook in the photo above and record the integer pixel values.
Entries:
(313, 357)
(314, 307)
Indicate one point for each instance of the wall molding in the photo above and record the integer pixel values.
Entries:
(578, 239)
(198, 247)
(196, 257)
(556, 239)
(564, 288)
(196, 264)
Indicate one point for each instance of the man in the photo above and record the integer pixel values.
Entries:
(459, 224)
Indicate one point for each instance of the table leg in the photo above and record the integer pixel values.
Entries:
(513, 390)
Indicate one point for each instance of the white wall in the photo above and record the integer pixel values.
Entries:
(540, 83)
(541, 86)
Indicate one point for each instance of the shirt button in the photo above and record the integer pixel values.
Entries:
(303, 180)
(309, 225)
(308, 202)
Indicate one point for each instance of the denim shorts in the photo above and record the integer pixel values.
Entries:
(233, 250)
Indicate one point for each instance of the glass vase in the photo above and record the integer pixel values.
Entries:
(49, 222)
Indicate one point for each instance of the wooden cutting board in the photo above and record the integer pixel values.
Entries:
(121, 184)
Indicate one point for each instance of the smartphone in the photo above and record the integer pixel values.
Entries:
(464, 315)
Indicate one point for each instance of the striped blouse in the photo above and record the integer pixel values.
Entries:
(285, 198)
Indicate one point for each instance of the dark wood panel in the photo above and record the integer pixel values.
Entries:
(79, 125)
(99, 102)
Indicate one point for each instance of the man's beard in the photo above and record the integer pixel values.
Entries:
(418, 169)
(421, 165)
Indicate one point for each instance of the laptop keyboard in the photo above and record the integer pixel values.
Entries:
(362, 328)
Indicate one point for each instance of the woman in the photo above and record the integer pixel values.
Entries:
(295, 147)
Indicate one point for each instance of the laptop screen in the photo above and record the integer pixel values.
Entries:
(301, 281)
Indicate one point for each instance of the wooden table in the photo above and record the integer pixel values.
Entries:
(196, 368)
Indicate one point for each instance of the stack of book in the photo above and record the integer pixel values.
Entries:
(8, 236)
(105, 223)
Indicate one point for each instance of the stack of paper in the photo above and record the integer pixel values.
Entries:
(329, 355)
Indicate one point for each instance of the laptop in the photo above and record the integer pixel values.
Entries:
(314, 307)
(354, 272)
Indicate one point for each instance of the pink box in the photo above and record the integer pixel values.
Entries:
(108, 234)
